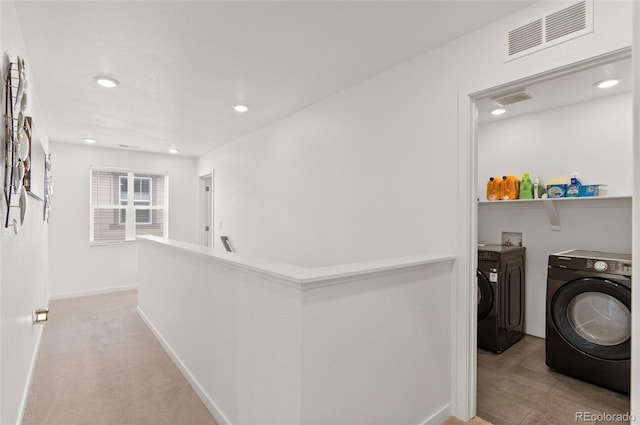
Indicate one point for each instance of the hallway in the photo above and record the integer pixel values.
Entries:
(99, 364)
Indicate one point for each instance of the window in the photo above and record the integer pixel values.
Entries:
(118, 214)
(141, 197)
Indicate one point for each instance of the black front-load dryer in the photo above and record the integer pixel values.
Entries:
(501, 286)
(588, 325)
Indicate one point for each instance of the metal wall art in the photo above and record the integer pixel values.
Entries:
(17, 144)
(48, 187)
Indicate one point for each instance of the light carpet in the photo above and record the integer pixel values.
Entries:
(99, 364)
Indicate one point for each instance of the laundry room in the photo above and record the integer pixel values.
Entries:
(554, 175)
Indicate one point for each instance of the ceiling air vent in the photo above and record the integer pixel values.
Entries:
(566, 21)
(525, 37)
(551, 29)
(512, 97)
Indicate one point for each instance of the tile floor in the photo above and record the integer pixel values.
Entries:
(517, 388)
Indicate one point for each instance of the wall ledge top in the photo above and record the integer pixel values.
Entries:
(301, 277)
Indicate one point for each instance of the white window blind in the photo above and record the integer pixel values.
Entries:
(119, 214)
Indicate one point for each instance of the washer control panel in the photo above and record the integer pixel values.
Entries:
(609, 266)
(593, 261)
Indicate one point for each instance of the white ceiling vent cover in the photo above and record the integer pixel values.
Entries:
(554, 28)
(525, 37)
(512, 97)
(567, 21)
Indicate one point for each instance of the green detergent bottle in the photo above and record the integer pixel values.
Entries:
(526, 187)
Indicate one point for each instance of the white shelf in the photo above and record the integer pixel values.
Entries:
(584, 198)
(550, 204)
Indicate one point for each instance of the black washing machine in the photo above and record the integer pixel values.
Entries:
(501, 286)
(588, 330)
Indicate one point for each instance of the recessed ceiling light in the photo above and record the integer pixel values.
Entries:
(498, 111)
(605, 84)
(173, 151)
(90, 141)
(240, 108)
(106, 81)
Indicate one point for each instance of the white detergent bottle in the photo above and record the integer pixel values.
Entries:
(538, 188)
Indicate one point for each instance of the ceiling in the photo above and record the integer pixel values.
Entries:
(569, 88)
(182, 64)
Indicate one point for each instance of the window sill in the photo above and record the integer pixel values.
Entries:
(111, 243)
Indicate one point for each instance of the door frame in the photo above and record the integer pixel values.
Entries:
(201, 237)
(635, 295)
(464, 292)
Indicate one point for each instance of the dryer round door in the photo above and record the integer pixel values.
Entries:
(485, 295)
(594, 316)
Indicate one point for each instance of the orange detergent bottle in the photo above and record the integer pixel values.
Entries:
(511, 187)
(498, 184)
(491, 190)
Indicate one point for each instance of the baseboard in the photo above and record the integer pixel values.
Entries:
(220, 418)
(32, 368)
(89, 292)
(439, 417)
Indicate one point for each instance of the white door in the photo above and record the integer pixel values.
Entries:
(206, 231)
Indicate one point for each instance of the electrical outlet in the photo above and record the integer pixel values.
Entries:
(512, 238)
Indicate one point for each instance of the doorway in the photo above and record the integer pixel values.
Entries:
(524, 362)
(205, 230)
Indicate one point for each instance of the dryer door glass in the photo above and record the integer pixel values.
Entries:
(599, 318)
(594, 316)
(485, 295)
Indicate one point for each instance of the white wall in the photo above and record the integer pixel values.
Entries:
(336, 182)
(372, 171)
(381, 169)
(234, 334)
(267, 343)
(593, 138)
(79, 269)
(375, 351)
(23, 257)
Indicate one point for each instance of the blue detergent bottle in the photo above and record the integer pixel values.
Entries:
(574, 186)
